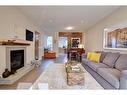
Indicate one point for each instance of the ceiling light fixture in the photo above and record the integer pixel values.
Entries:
(69, 28)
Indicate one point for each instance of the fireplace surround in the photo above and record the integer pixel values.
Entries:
(5, 52)
(16, 58)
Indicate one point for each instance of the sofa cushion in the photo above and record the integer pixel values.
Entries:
(103, 54)
(111, 75)
(94, 65)
(110, 59)
(121, 63)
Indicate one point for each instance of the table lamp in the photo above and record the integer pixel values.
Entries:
(81, 46)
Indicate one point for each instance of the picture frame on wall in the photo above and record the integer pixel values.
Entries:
(115, 38)
(75, 42)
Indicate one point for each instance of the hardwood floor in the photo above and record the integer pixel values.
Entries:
(32, 76)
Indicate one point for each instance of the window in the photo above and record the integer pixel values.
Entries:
(50, 42)
(63, 42)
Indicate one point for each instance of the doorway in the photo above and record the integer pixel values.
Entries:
(63, 43)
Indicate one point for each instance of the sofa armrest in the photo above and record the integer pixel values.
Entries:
(123, 79)
(84, 55)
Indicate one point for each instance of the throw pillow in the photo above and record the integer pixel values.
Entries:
(95, 57)
(89, 55)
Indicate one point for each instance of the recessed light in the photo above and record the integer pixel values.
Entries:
(106, 29)
(69, 28)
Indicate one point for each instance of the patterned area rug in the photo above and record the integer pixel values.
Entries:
(55, 78)
(23, 85)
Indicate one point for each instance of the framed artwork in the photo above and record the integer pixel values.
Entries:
(115, 39)
(75, 42)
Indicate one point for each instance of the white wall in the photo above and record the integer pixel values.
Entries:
(94, 36)
(14, 23)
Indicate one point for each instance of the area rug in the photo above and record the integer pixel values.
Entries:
(55, 77)
(24, 86)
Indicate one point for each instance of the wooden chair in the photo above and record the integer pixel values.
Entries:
(73, 55)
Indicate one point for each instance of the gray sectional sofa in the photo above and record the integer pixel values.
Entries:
(111, 72)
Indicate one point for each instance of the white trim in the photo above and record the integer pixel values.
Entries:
(124, 49)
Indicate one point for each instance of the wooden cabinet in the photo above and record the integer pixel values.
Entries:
(78, 51)
(49, 55)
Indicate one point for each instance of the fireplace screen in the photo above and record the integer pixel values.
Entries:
(17, 59)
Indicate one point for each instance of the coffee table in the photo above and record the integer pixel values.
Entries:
(55, 77)
(74, 76)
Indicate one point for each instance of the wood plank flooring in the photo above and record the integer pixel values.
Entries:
(32, 76)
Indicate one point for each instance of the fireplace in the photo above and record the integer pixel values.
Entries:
(16, 59)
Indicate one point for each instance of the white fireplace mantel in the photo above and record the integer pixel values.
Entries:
(5, 59)
(4, 63)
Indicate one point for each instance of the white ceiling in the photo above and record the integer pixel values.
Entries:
(56, 18)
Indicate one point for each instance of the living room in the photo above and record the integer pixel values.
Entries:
(55, 48)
